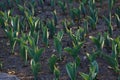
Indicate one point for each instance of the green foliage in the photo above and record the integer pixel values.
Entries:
(86, 30)
(55, 17)
(92, 57)
(35, 54)
(82, 7)
(66, 24)
(110, 4)
(77, 61)
(56, 73)
(51, 27)
(109, 24)
(52, 3)
(1, 65)
(33, 50)
(35, 66)
(98, 41)
(71, 70)
(33, 24)
(117, 42)
(75, 14)
(51, 62)
(58, 43)
(113, 59)
(93, 18)
(107, 39)
(117, 17)
(74, 51)
(23, 41)
(11, 30)
(77, 37)
(93, 71)
(92, 4)
(118, 10)
(62, 5)
(45, 35)
(84, 1)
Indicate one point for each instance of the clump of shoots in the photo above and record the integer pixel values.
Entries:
(71, 70)
(82, 8)
(75, 14)
(92, 56)
(35, 66)
(93, 18)
(62, 5)
(66, 24)
(35, 54)
(93, 71)
(113, 59)
(51, 27)
(45, 35)
(56, 73)
(52, 62)
(109, 24)
(108, 40)
(98, 41)
(77, 37)
(33, 23)
(23, 41)
(58, 43)
(74, 51)
(12, 32)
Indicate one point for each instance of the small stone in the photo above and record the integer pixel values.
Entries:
(5, 76)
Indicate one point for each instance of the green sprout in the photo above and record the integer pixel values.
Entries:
(82, 8)
(56, 73)
(74, 51)
(66, 24)
(62, 5)
(35, 66)
(86, 30)
(23, 41)
(113, 59)
(117, 42)
(71, 70)
(108, 40)
(75, 14)
(117, 17)
(109, 24)
(55, 17)
(93, 18)
(77, 37)
(110, 4)
(45, 35)
(51, 27)
(93, 71)
(98, 41)
(52, 62)
(33, 50)
(58, 43)
(33, 23)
